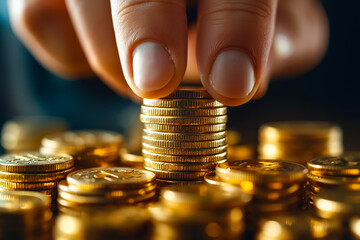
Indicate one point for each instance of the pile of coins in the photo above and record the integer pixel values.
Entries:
(199, 211)
(34, 172)
(341, 173)
(184, 134)
(88, 148)
(24, 134)
(25, 215)
(276, 186)
(127, 222)
(114, 186)
(299, 141)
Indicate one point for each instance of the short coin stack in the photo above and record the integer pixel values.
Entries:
(34, 172)
(112, 186)
(276, 186)
(25, 215)
(184, 134)
(88, 148)
(199, 211)
(299, 141)
(341, 173)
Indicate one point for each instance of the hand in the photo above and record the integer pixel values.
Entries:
(238, 44)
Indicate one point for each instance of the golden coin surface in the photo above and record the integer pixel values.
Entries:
(21, 201)
(184, 151)
(79, 140)
(184, 136)
(186, 128)
(261, 171)
(182, 103)
(348, 165)
(189, 92)
(299, 129)
(177, 175)
(184, 144)
(114, 177)
(182, 120)
(35, 177)
(184, 159)
(27, 185)
(34, 162)
(188, 112)
(190, 167)
(333, 180)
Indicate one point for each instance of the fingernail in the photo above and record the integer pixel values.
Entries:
(152, 66)
(232, 74)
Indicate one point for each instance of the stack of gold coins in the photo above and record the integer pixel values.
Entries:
(24, 134)
(184, 134)
(276, 186)
(199, 211)
(127, 222)
(88, 148)
(299, 141)
(93, 187)
(34, 172)
(334, 173)
(24, 215)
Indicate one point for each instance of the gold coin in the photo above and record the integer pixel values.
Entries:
(333, 180)
(184, 144)
(109, 178)
(189, 92)
(82, 140)
(174, 175)
(182, 103)
(184, 136)
(184, 159)
(184, 151)
(27, 185)
(186, 128)
(35, 177)
(299, 131)
(185, 167)
(82, 199)
(182, 120)
(347, 165)
(192, 112)
(33, 162)
(261, 171)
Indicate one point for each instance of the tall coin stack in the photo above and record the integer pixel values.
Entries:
(276, 186)
(114, 186)
(25, 215)
(88, 148)
(184, 134)
(339, 173)
(299, 141)
(34, 172)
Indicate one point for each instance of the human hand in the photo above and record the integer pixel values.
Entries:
(145, 47)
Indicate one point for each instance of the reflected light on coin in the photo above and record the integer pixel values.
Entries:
(247, 186)
(213, 229)
(272, 229)
(270, 150)
(70, 225)
(325, 205)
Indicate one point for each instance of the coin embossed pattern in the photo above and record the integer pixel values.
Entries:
(184, 134)
(33, 171)
(111, 186)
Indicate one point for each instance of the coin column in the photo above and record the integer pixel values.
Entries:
(184, 135)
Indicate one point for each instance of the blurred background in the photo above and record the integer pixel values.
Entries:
(330, 92)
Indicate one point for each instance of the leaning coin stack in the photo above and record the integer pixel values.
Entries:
(276, 186)
(112, 186)
(299, 141)
(88, 148)
(25, 215)
(34, 172)
(199, 211)
(184, 134)
(341, 173)
(24, 134)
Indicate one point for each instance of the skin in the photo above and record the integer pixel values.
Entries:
(267, 39)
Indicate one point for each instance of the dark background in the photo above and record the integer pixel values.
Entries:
(330, 92)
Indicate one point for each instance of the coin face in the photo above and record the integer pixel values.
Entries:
(107, 177)
(35, 162)
(16, 201)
